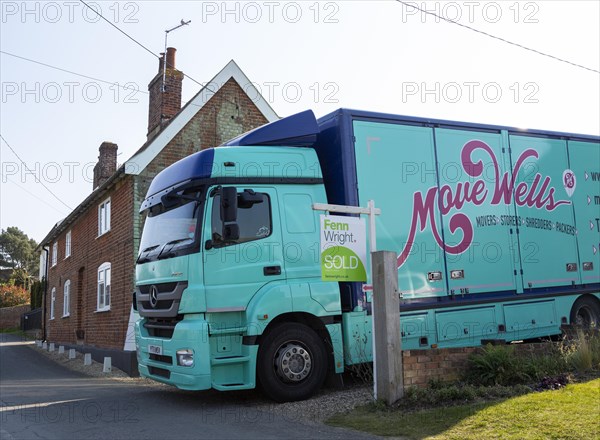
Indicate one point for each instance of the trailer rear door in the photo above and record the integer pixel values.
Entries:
(547, 232)
(487, 262)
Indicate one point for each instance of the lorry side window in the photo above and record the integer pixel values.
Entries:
(254, 221)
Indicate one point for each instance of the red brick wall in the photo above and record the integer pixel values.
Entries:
(447, 364)
(10, 317)
(88, 252)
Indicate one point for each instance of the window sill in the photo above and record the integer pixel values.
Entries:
(51, 319)
(103, 234)
(107, 309)
(65, 316)
(67, 257)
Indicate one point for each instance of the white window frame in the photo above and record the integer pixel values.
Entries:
(54, 253)
(103, 289)
(104, 217)
(68, 245)
(52, 302)
(67, 299)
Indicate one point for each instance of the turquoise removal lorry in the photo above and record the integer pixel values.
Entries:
(497, 232)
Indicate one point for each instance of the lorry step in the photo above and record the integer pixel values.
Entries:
(233, 386)
(230, 360)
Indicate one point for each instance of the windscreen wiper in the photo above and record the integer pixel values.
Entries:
(140, 259)
(172, 243)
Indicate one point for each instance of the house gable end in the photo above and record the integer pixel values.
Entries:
(138, 162)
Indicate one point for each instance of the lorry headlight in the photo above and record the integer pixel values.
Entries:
(185, 358)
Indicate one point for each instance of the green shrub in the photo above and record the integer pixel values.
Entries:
(540, 366)
(436, 384)
(595, 348)
(582, 353)
(443, 394)
(37, 294)
(497, 365)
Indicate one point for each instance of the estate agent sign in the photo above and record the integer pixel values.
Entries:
(343, 248)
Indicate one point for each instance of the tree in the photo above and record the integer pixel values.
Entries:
(37, 294)
(12, 296)
(17, 252)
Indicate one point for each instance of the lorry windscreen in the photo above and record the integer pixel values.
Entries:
(170, 232)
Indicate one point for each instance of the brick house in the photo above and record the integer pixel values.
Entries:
(91, 253)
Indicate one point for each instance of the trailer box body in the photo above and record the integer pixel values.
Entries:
(472, 210)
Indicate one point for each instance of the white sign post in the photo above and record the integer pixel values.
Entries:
(371, 211)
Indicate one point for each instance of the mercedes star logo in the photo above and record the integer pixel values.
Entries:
(153, 296)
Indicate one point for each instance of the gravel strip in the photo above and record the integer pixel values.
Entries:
(325, 404)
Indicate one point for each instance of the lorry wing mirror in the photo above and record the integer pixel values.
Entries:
(168, 200)
(249, 198)
(229, 204)
(231, 232)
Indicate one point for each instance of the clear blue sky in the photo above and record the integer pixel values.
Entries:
(373, 55)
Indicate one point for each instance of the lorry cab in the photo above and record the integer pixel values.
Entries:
(229, 254)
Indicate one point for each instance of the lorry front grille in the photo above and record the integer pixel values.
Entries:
(162, 327)
(161, 358)
(159, 300)
(155, 371)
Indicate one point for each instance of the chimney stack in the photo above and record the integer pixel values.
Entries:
(165, 100)
(107, 163)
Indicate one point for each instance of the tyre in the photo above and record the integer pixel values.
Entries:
(586, 313)
(292, 362)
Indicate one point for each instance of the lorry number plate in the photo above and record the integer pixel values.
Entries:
(155, 349)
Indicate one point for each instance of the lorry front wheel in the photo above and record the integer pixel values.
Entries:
(292, 362)
(586, 313)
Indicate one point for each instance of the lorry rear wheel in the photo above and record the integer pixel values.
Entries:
(292, 362)
(586, 313)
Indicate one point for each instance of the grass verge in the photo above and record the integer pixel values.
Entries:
(569, 413)
(18, 332)
(11, 330)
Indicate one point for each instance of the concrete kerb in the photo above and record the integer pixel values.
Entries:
(107, 367)
(80, 362)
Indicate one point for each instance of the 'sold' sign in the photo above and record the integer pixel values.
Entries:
(343, 248)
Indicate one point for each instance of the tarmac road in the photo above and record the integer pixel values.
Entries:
(40, 399)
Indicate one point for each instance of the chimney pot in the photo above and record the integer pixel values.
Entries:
(161, 61)
(171, 57)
